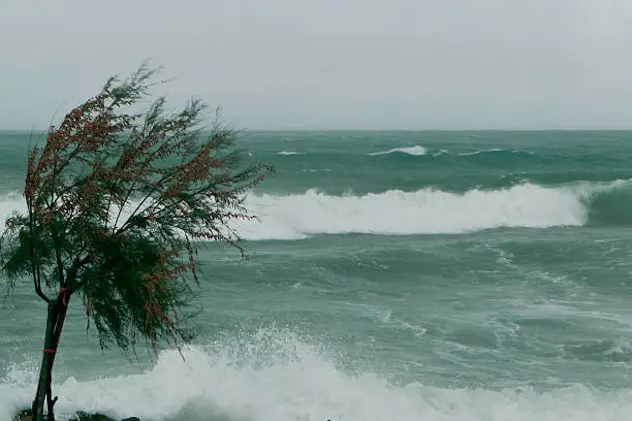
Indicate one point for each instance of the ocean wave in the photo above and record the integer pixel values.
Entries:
(421, 150)
(409, 150)
(480, 151)
(272, 374)
(289, 153)
(495, 151)
(440, 152)
(427, 211)
(601, 350)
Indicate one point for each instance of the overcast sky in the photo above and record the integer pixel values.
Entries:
(332, 64)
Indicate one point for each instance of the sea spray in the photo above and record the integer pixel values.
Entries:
(273, 374)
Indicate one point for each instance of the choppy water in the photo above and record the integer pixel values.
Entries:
(406, 276)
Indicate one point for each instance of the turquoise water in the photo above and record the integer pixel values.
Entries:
(396, 275)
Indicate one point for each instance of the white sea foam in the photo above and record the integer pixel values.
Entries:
(441, 152)
(272, 375)
(290, 153)
(494, 150)
(480, 151)
(409, 150)
(397, 212)
(422, 212)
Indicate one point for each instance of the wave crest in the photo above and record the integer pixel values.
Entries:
(427, 211)
(408, 150)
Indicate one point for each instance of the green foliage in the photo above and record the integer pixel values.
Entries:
(117, 204)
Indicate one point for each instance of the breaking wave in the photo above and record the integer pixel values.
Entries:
(288, 153)
(431, 211)
(428, 211)
(410, 150)
(274, 374)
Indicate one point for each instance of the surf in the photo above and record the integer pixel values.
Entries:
(425, 211)
(274, 374)
(428, 211)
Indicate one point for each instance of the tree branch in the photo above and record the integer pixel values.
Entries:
(35, 266)
(72, 274)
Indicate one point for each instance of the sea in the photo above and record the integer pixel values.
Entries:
(405, 276)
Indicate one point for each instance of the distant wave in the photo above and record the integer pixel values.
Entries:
(409, 150)
(276, 375)
(427, 211)
(440, 152)
(312, 170)
(494, 150)
(418, 150)
(481, 151)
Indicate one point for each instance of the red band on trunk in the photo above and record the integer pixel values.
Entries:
(49, 351)
(63, 294)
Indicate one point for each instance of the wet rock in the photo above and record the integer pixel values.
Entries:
(23, 415)
(82, 416)
(79, 416)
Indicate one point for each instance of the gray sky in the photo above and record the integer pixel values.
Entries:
(338, 64)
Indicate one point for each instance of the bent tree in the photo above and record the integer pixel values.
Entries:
(116, 206)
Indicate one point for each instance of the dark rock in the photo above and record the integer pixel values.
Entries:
(79, 416)
(23, 415)
(82, 416)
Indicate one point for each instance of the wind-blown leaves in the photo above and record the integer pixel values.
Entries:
(116, 205)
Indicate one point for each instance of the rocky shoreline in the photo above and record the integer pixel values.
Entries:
(79, 416)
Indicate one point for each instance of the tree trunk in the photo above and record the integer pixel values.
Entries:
(54, 325)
